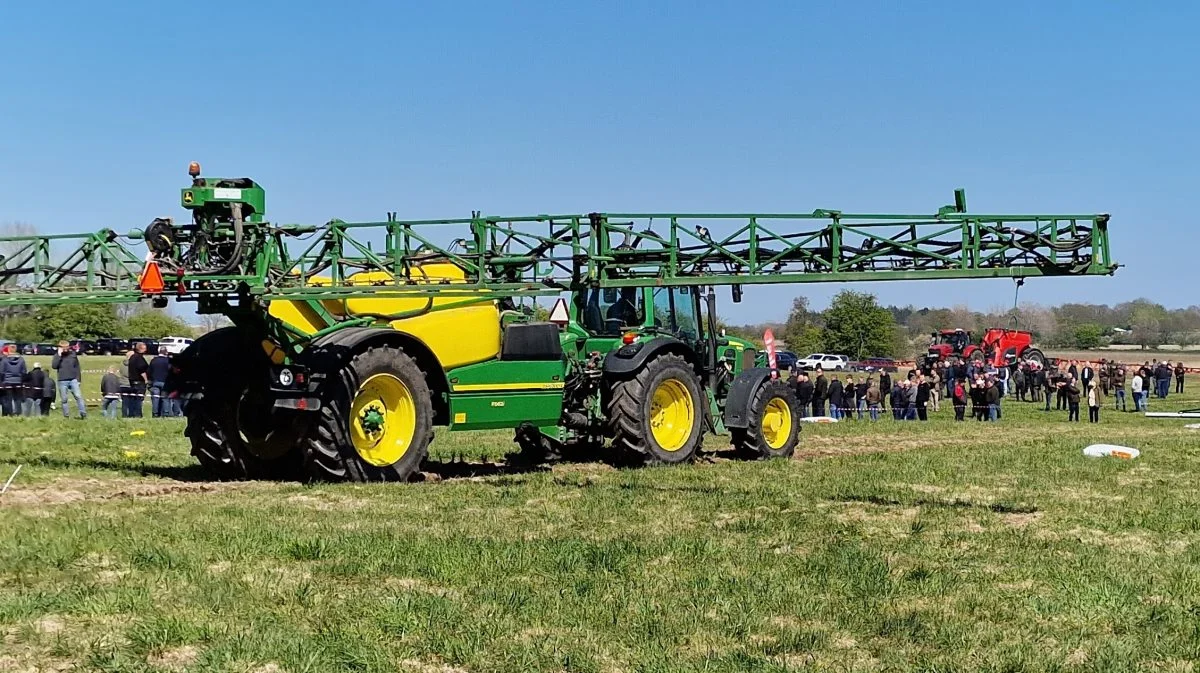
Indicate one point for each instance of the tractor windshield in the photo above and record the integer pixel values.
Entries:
(675, 312)
(611, 311)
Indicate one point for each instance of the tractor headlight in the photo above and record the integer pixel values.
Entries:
(286, 377)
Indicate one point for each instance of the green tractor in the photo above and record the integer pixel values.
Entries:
(350, 342)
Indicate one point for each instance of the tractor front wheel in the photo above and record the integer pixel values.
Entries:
(375, 422)
(774, 424)
(233, 430)
(655, 415)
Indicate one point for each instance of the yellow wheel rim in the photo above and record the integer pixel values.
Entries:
(672, 415)
(383, 418)
(777, 423)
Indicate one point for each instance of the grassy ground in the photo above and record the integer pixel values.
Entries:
(886, 546)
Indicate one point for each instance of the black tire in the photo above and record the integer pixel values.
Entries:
(328, 448)
(1034, 355)
(977, 355)
(234, 432)
(751, 441)
(629, 412)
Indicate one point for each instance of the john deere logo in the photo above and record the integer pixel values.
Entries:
(187, 197)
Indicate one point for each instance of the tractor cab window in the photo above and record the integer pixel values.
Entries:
(613, 310)
(675, 312)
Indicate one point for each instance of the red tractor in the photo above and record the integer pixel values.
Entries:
(1000, 347)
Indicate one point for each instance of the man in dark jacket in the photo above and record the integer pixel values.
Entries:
(897, 399)
(820, 393)
(885, 388)
(804, 393)
(924, 390)
(139, 379)
(1118, 386)
(1179, 372)
(991, 397)
(35, 384)
(1086, 374)
(1071, 390)
(66, 363)
(160, 367)
(1164, 379)
(12, 376)
(835, 397)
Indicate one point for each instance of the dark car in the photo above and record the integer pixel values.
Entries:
(151, 344)
(83, 346)
(45, 349)
(27, 348)
(111, 346)
(784, 360)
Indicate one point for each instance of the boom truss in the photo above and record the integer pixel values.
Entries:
(549, 254)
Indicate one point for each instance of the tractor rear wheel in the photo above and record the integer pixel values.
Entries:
(234, 432)
(656, 415)
(1034, 355)
(774, 424)
(375, 421)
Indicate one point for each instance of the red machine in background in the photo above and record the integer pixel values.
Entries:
(1000, 347)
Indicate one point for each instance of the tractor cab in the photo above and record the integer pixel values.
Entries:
(948, 342)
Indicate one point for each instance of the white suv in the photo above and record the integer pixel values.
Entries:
(174, 345)
(825, 361)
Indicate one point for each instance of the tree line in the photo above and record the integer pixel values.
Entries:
(855, 324)
(51, 324)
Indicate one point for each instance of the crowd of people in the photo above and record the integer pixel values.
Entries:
(33, 390)
(980, 389)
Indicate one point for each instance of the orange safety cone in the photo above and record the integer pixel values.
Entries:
(151, 281)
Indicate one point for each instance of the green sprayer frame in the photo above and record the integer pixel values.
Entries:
(550, 254)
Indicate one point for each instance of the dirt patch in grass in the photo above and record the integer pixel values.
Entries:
(65, 491)
(174, 659)
(417, 666)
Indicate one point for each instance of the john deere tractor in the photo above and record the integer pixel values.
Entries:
(351, 342)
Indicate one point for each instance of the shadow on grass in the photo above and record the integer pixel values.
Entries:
(998, 507)
(189, 473)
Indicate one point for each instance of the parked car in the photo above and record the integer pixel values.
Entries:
(83, 346)
(175, 345)
(151, 344)
(27, 348)
(111, 346)
(825, 361)
(45, 349)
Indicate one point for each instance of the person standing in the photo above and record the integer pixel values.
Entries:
(49, 392)
(910, 400)
(1093, 404)
(935, 390)
(1073, 370)
(835, 397)
(958, 397)
(139, 379)
(885, 387)
(1179, 372)
(110, 390)
(1086, 375)
(804, 393)
(925, 393)
(991, 396)
(861, 394)
(897, 400)
(820, 392)
(1118, 387)
(978, 400)
(1019, 381)
(13, 372)
(1072, 393)
(1162, 377)
(849, 397)
(1047, 386)
(160, 368)
(1135, 386)
(34, 386)
(874, 398)
(66, 363)
(1106, 372)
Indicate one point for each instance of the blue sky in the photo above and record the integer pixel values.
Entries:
(353, 109)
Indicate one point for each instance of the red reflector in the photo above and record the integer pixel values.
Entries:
(299, 378)
(629, 338)
(151, 281)
(302, 403)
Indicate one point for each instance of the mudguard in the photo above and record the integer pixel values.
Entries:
(741, 391)
(630, 358)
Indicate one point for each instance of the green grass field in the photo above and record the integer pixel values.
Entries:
(933, 547)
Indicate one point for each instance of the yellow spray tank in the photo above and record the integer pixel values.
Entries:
(458, 336)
